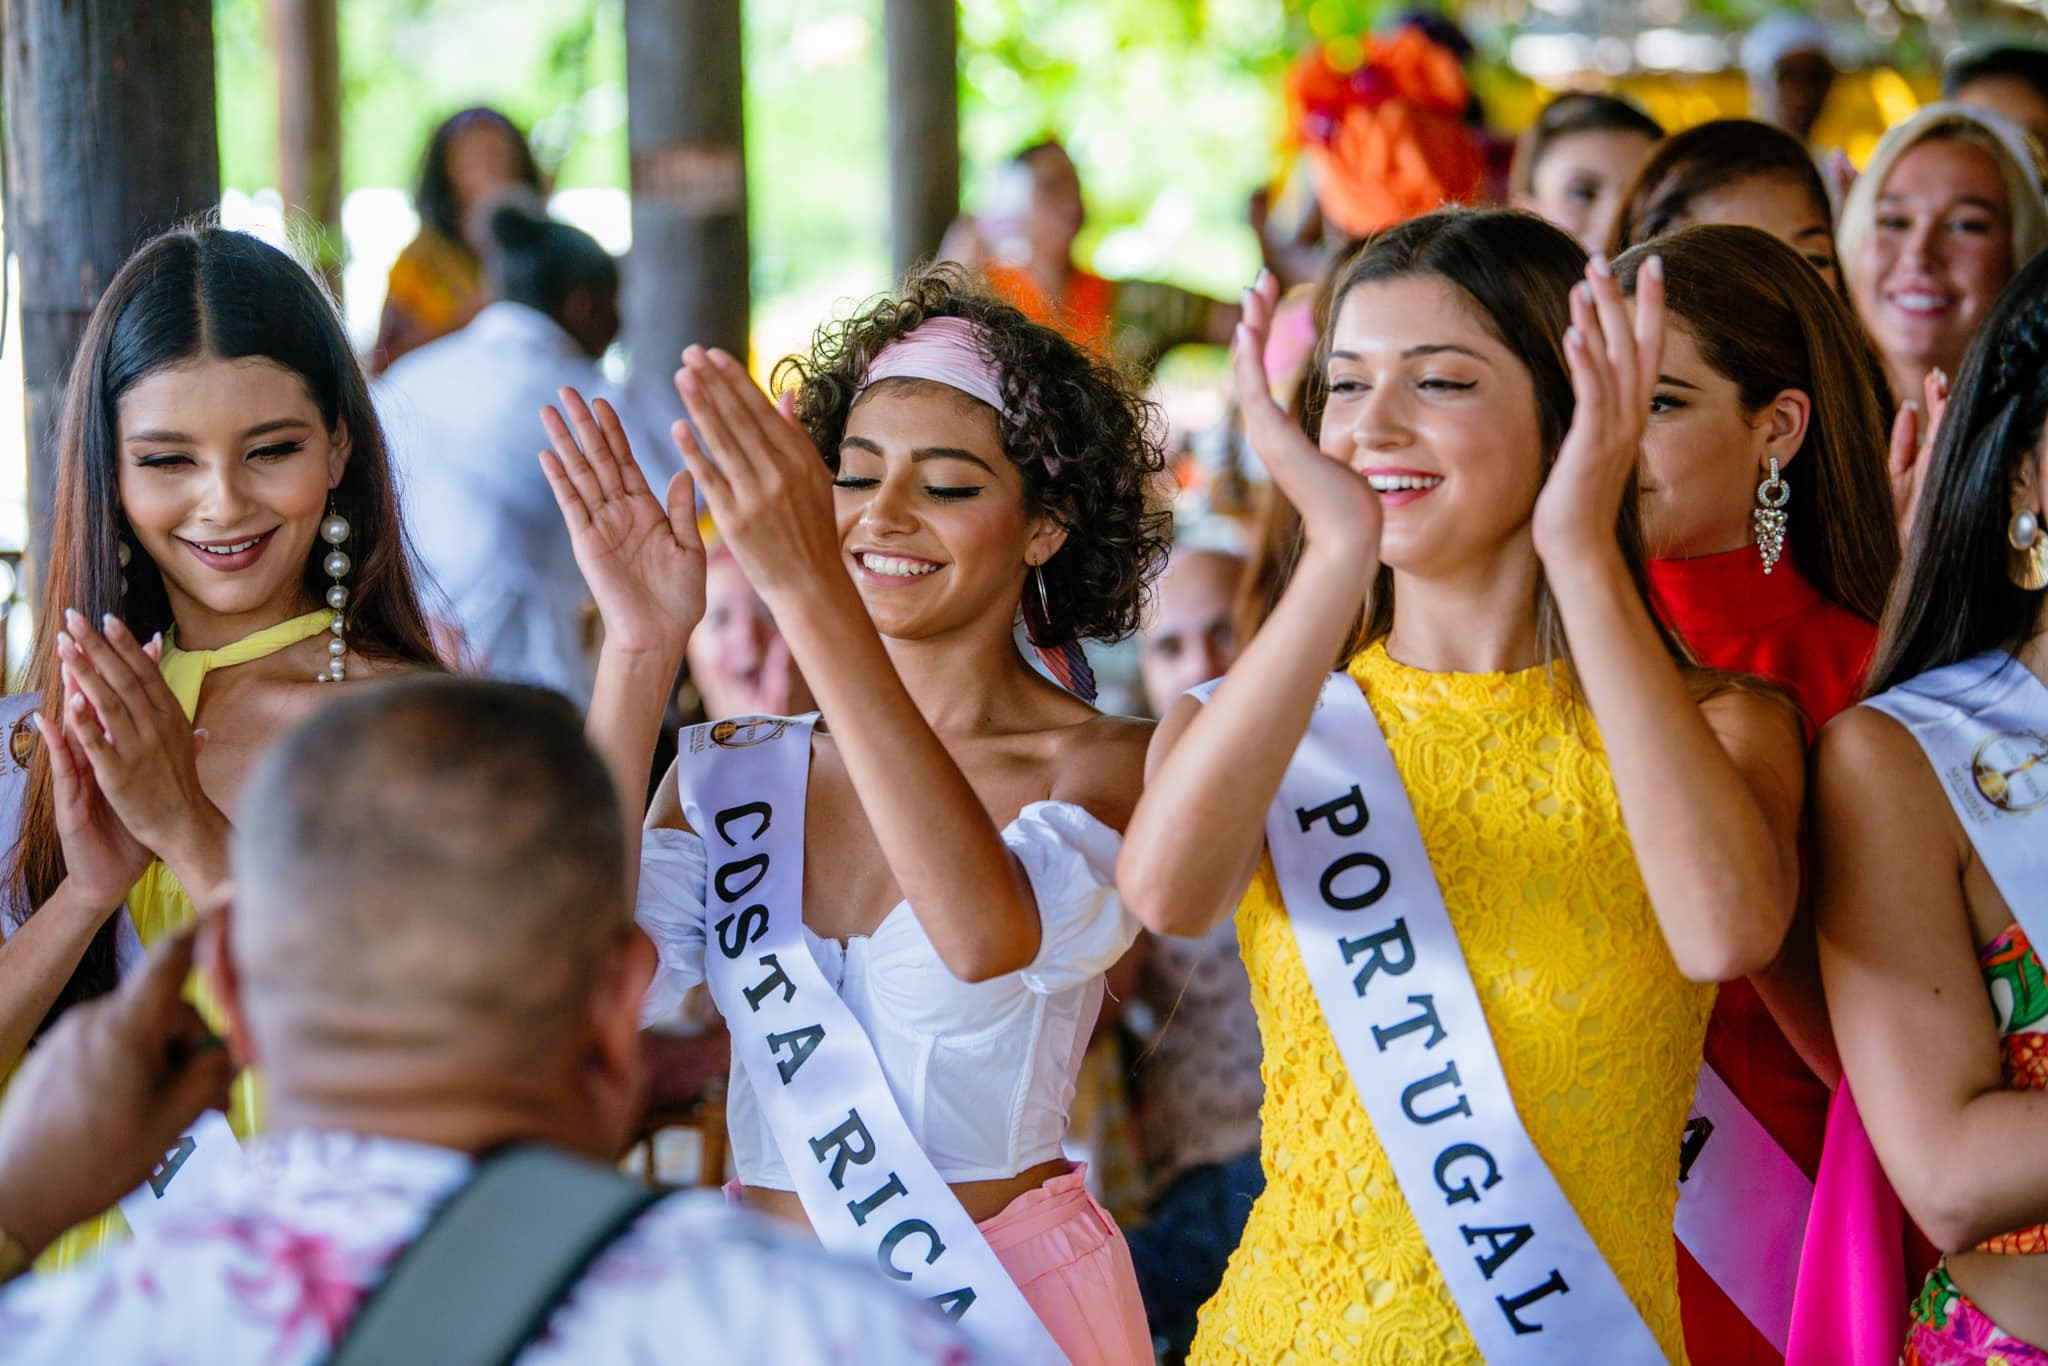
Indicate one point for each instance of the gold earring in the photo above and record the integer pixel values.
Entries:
(2028, 564)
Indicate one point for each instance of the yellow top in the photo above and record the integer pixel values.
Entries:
(1599, 1035)
(160, 907)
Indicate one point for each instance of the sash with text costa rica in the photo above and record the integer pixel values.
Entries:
(864, 1180)
(1392, 980)
(1982, 722)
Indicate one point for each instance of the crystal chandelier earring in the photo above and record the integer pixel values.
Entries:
(334, 531)
(2028, 566)
(1768, 520)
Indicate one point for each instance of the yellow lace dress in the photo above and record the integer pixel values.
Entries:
(1599, 1036)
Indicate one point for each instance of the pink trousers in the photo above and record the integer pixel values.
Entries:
(1069, 1258)
(1071, 1261)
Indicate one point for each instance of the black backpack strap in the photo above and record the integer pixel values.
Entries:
(480, 1281)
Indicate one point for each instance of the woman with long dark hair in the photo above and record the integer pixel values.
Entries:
(1733, 171)
(222, 494)
(1486, 875)
(1574, 162)
(436, 285)
(1768, 515)
(1931, 810)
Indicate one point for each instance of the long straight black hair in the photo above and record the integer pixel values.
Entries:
(193, 292)
(1954, 598)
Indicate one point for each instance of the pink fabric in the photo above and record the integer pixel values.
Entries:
(949, 351)
(1070, 1260)
(1850, 1307)
(1950, 1330)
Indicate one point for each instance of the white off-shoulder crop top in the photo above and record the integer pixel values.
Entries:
(984, 1071)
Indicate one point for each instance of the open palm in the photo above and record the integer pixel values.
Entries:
(1337, 506)
(1614, 351)
(643, 562)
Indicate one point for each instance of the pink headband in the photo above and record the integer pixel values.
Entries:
(948, 351)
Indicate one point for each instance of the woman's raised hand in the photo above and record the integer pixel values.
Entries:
(768, 490)
(1913, 433)
(1339, 510)
(644, 562)
(140, 770)
(1614, 352)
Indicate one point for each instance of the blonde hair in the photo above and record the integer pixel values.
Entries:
(2015, 153)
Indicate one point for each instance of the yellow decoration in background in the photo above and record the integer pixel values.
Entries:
(1861, 105)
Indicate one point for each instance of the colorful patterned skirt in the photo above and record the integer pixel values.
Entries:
(1948, 1330)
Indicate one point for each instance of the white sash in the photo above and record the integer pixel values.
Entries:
(863, 1178)
(1742, 1207)
(1384, 959)
(1983, 725)
(209, 1147)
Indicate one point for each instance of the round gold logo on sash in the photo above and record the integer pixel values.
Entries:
(2012, 771)
(21, 741)
(748, 730)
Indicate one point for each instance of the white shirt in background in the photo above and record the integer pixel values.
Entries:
(462, 415)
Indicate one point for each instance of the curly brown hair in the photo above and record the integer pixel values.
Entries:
(1064, 409)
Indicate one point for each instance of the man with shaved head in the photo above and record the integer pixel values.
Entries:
(431, 956)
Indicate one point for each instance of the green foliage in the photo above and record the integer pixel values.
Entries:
(1170, 108)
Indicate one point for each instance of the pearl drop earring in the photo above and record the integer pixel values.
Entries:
(334, 530)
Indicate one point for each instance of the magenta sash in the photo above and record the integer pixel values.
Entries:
(1850, 1307)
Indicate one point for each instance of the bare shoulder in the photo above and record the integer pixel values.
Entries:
(1100, 765)
(1863, 754)
(1889, 842)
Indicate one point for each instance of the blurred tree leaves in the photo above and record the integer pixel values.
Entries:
(1170, 108)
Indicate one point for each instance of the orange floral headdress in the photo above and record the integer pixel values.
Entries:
(1384, 134)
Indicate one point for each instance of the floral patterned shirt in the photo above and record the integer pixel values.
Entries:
(268, 1266)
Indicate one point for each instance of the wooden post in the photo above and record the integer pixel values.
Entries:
(306, 42)
(922, 39)
(110, 139)
(686, 277)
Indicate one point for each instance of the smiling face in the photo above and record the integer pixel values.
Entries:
(225, 468)
(931, 512)
(1440, 416)
(1938, 252)
(1579, 182)
(1777, 204)
(1704, 454)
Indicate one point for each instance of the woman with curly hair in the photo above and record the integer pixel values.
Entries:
(908, 900)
